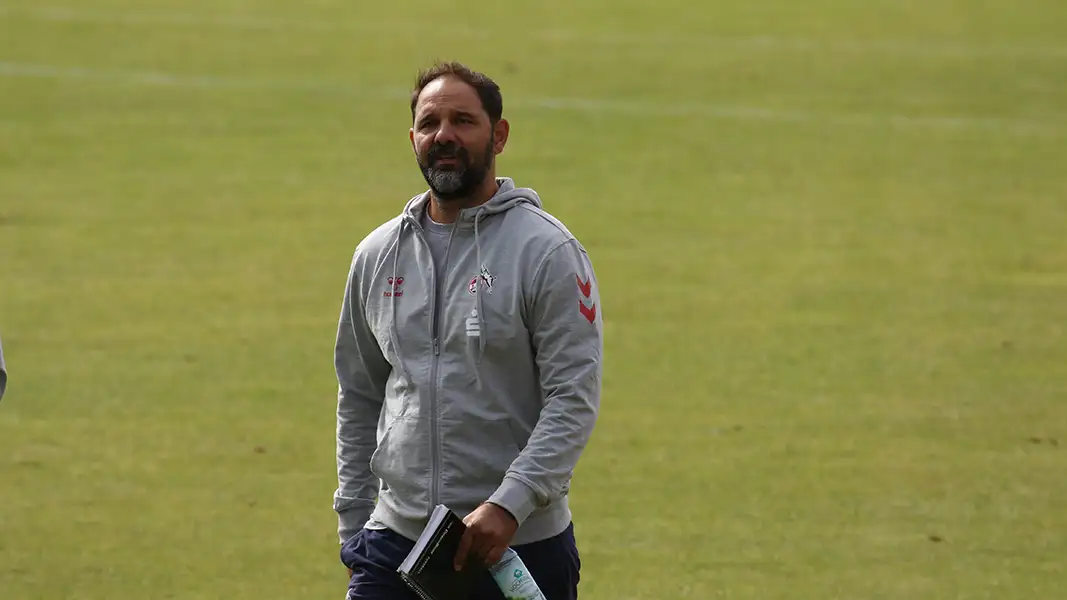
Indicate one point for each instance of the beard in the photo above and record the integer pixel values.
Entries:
(453, 182)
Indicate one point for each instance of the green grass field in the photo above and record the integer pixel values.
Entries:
(831, 238)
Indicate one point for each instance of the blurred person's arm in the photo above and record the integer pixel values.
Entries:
(362, 372)
(3, 372)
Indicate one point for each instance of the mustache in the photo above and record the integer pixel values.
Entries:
(439, 151)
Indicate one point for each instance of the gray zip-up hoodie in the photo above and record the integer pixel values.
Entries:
(487, 393)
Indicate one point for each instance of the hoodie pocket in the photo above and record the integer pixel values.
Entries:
(402, 462)
(477, 453)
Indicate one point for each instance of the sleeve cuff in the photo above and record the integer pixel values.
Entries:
(515, 497)
(350, 522)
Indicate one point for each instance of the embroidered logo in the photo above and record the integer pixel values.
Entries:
(487, 279)
(586, 306)
(394, 288)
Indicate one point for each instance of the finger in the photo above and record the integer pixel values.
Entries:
(494, 555)
(464, 548)
(485, 546)
(481, 547)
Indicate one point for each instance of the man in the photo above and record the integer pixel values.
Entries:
(468, 358)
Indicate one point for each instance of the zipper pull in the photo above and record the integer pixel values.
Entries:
(436, 348)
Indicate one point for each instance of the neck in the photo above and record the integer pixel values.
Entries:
(446, 211)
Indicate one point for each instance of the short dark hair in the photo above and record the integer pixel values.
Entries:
(487, 89)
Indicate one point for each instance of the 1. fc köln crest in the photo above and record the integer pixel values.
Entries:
(487, 280)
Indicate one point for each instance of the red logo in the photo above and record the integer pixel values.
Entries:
(394, 287)
(586, 288)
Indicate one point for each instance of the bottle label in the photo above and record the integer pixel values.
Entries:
(514, 581)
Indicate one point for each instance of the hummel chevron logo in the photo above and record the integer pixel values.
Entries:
(586, 288)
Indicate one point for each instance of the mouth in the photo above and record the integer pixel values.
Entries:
(446, 160)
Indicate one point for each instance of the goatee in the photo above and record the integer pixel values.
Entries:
(454, 182)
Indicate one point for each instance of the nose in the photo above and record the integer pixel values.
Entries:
(445, 133)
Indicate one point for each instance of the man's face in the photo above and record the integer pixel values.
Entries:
(454, 141)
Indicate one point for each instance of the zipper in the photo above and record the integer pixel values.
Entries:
(435, 434)
(433, 372)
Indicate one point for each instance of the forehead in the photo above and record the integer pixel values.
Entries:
(448, 94)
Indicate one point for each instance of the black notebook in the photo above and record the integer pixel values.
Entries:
(428, 568)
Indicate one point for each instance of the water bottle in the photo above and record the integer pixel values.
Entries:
(513, 579)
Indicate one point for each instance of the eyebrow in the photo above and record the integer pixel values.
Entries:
(429, 116)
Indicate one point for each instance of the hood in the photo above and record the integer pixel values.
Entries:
(507, 197)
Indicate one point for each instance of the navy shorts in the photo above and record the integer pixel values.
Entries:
(374, 556)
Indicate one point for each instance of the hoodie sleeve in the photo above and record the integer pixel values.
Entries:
(362, 372)
(566, 330)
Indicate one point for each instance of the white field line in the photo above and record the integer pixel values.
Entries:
(155, 78)
(1015, 127)
(901, 47)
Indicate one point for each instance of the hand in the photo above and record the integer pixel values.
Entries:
(490, 529)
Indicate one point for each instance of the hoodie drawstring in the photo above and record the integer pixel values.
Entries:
(478, 296)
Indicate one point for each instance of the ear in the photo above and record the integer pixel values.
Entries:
(411, 136)
(500, 135)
